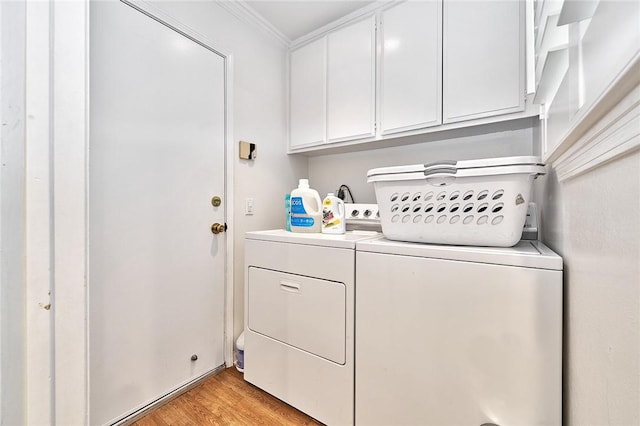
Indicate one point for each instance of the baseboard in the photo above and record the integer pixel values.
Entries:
(131, 418)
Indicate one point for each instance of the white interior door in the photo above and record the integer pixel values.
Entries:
(156, 272)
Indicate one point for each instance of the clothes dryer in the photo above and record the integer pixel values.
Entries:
(299, 319)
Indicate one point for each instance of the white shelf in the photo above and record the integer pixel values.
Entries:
(553, 38)
(555, 66)
(575, 11)
(544, 9)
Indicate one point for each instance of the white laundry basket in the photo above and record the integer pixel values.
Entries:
(475, 202)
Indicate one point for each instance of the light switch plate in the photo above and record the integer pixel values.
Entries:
(248, 206)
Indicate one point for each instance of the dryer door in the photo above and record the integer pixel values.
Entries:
(306, 313)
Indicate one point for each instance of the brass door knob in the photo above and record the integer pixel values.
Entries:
(217, 228)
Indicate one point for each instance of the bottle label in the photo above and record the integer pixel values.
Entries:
(302, 221)
(331, 218)
(297, 207)
(328, 218)
(287, 207)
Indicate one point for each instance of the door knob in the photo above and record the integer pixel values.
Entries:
(217, 228)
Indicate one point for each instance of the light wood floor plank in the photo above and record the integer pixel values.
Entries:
(225, 399)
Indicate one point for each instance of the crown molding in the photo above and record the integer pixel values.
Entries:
(590, 114)
(616, 135)
(249, 15)
(345, 20)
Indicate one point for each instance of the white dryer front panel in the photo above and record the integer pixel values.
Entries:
(299, 320)
(306, 313)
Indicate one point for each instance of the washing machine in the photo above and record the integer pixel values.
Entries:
(451, 335)
(299, 319)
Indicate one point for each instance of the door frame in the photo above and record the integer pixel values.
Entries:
(57, 128)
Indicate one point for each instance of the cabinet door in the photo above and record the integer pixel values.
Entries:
(411, 66)
(483, 55)
(308, 94)
(351, 82)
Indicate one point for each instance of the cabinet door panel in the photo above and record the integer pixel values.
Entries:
(308, 102)
(350, 82)
(411, 66)
(483, 59)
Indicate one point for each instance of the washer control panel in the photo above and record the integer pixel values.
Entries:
(361, 215)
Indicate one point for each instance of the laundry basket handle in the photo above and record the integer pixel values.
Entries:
(441, 163)
(443, 171)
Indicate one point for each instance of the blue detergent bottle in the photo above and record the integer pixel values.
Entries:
(306, 208)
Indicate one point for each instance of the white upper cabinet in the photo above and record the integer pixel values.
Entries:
(351, 82)
(483, 59)
(429, 66)
(308, 94)
(411, 66)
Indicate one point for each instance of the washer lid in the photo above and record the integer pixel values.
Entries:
(529, 254)
(347, 240)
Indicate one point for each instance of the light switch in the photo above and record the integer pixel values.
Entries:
(248, 206)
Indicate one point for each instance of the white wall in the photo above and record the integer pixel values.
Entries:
(12, 214)
(592, 222)
(259, 114)
(591, 216)
(328, 172)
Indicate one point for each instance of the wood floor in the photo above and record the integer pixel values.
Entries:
(226, 399)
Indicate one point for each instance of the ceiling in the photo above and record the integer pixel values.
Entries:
(295, 18)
